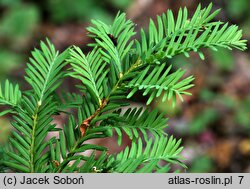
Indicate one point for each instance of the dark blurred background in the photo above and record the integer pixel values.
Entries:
(214, 122)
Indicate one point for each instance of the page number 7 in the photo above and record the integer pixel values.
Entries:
(241, 178)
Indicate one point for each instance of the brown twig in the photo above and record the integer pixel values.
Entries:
(85, 124)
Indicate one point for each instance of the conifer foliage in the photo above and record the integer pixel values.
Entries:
(117, 67)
